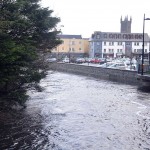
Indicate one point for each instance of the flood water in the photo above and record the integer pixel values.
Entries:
(79, 113)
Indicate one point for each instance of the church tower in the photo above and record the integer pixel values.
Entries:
(125, 25)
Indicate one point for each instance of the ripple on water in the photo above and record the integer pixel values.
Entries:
(80, 113)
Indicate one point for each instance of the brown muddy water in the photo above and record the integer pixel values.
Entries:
(79, 113)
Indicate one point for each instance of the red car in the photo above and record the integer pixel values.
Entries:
(95, 60)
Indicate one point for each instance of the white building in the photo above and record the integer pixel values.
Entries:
(118, 44)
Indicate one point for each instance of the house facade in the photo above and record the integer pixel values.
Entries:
(72, 46)
(119, 44)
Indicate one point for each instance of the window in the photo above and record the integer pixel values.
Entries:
(134, 50)
(109, 50)
(80, 49)
(80, 42)
(98, 36)
(119, 43)
(145, 50)
(118, 50)
(104, 50)
(73, 49)
(104, 43)
(111, 43)
(145, 43)
(136, 43)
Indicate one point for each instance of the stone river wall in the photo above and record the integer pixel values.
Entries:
(122, 76)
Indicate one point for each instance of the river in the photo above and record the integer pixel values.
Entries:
(76, 112)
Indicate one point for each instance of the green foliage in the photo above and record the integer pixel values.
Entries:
(26, 32)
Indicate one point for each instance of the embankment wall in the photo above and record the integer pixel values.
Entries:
(123, 76)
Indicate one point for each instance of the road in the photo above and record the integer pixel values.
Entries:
(81, 113)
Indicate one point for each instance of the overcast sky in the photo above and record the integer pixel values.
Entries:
(83, 17)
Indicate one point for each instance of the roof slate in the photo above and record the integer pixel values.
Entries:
(116, 36)
(65, 36)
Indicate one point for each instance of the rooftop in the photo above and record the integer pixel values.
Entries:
(65, 36)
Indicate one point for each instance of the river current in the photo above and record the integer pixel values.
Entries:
(76, 112)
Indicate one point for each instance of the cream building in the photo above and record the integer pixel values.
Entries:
(73, 46)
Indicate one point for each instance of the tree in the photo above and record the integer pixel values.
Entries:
(26, 33)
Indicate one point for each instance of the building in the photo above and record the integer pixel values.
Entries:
(73, 46)
(119, 44)
(125, 25)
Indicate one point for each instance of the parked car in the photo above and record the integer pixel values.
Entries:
(102, 60)
(66, 60)
(88, 60)
(73, 60)
(109, 59)
(106, 65)
(95, 60)
(118, 66)
(80, 60)
(51, 60)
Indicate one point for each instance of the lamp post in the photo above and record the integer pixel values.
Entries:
(69, 49)
(58, 53)
(143, 44)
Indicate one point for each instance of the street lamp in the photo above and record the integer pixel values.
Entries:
(58, 53)
(69, 49)
(143, 43)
